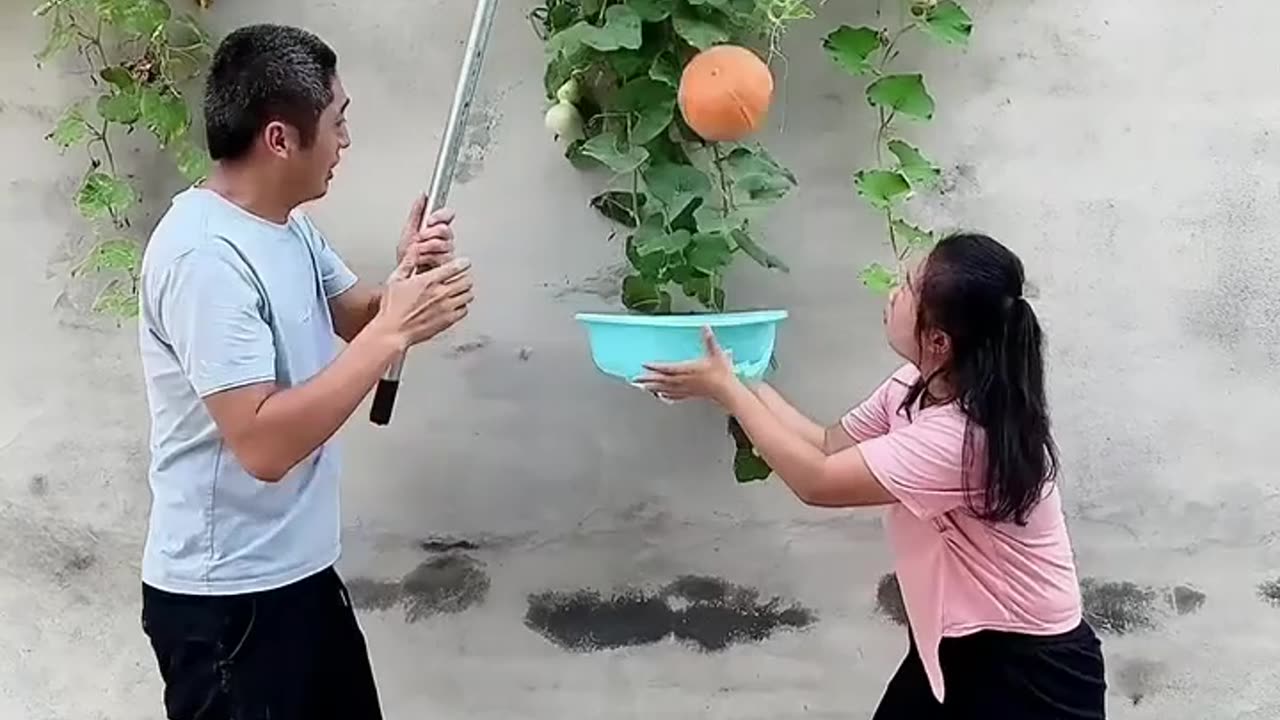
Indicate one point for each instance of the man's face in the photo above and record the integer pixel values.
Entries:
(331, 139)
(309, 170)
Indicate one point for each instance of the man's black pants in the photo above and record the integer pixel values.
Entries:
(286, 654)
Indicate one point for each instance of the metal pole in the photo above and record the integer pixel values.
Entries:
(384, 398)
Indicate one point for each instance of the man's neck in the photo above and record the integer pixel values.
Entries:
(252, 192)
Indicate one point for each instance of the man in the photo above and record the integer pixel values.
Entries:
(241, 300)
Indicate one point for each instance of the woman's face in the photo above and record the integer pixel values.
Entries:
(900, 316)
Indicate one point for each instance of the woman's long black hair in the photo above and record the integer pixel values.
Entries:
(970, 288)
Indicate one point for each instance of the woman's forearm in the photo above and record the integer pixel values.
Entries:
(793, 419)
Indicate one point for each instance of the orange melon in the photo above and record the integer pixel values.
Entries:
(725, 93)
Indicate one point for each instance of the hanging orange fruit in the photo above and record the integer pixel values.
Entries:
(725, 92)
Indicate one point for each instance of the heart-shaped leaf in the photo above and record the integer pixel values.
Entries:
(851, 47)
(881, 188)
(948, 22)
(914, 165)
(904, 94)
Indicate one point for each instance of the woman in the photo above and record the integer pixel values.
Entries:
(957, 444)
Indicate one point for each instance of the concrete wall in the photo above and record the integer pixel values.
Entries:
(1125, 149)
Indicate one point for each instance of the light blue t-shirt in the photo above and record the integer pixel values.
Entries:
(230, 299)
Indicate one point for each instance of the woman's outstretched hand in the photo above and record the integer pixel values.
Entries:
(708, 377)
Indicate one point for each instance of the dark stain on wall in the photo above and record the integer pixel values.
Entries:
(1138, 679)
(889, 602)
(583, 620)
(368, 594)
(436, 544)
(449, 583)
(1270, 591)
(1118, 607)
(705, 612)
(1187, 600)
(38, 485)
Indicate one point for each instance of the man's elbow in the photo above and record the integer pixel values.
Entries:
(262, 464)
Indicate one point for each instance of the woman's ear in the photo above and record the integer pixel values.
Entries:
(938, 344)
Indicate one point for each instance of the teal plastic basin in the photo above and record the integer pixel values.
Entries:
(621, 344)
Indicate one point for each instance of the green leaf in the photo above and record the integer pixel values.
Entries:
(652, 105)
(917, 168)
(714, 220)
(120, 107)
(621, 29)
(61, 35)
(611, 150)
(653, 237)
(666, 69)
(913, 236)
(72, 128)
(642, 295)
(117, 301)
(676, 186)
(119, 254)
(185, 30)
(905, 94)
(164, 113)
(851, 48)
(757, 253)
(878, 278)
(193, 161)
(748, 467)
(653, 266)
(755, 177)
(709, 252)
(140, 18)
(119, 77)
(619, 206)
(720, 4)
(699, 33)
(563, 66)
(652, 10)
(881, 188)
(102, 195)
(948, 22)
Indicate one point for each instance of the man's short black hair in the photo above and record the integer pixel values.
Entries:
(261, 74)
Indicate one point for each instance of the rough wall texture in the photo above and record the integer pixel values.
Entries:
(1124, 149)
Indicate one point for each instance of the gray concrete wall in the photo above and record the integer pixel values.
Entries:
(1125, 149)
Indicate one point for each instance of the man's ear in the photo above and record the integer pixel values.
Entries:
(278, 139)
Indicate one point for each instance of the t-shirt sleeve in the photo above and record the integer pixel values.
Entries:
(335, 276)
(211, 313)
(921, 464)
(870, 419)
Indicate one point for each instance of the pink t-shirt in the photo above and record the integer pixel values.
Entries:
(960, 574)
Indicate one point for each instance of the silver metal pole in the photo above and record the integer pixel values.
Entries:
(384, 398)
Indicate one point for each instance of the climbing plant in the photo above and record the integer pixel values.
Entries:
(139, 54)
(688, 207)
(902, 170)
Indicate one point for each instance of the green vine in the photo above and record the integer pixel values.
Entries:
(688, 207)
(139, 53)
(887, 187)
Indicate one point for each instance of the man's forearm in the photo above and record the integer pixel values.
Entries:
(291, 424)
(352, 315)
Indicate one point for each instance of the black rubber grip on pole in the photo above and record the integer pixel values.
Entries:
(384, 399)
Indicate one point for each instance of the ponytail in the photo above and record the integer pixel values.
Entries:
(972, 291)
(1012, 410)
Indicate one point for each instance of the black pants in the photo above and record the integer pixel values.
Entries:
(293, 653)
(1004, 676)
